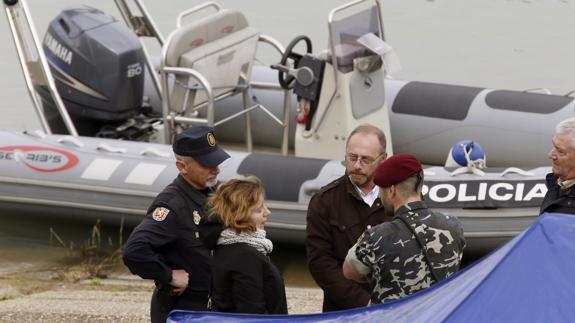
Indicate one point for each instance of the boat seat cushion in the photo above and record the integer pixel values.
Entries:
(221, 47)
(223, 61)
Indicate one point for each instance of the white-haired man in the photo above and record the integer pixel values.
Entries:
(560, 195)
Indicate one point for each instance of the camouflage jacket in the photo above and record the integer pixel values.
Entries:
(392, 254)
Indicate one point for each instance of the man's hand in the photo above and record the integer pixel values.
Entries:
(179, 281)
(351, 273)
(354, 269)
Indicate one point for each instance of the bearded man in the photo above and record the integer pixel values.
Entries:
(339, 213)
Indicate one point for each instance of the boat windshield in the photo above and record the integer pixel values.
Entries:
(347, 29)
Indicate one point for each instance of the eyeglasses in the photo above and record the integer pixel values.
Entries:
(363, 160)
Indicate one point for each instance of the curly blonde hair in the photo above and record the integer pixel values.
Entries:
(234, 202)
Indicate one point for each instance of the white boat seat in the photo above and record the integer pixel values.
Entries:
(221, 47)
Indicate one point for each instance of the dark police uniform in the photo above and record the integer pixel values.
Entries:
(392, 252)
(169, 238)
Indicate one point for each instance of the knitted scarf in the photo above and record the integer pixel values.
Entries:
(257, 239)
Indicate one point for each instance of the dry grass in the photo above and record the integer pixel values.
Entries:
(92, 259)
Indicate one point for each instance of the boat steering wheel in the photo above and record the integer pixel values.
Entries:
(287, 81)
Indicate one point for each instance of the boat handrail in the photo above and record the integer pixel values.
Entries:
(20, 21)
(71, 140)
(195, 9)
(107, 148)
(538, 89)
(287, 93)
(570, 93)
(237, 114)
(143, 26)
(151, 151)
(187, 115)
(165, 71)
(36, 133)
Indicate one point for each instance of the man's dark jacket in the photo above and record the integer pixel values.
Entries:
(556, 199)
(336, 218)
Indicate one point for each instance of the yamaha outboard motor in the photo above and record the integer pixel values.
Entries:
(98, 65)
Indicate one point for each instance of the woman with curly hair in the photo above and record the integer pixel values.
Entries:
(244, 278)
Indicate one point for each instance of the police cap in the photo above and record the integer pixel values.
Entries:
(396, 169)
(200, 143)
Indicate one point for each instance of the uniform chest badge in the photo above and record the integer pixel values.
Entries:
(197, 217)
(160, 213)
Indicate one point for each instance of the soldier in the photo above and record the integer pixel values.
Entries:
(167, 245)
(416, 249)
(560, 195)
(339, 213)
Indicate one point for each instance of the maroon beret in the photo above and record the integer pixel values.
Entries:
(396, 169)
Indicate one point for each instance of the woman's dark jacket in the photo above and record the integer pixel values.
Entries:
(246, 281)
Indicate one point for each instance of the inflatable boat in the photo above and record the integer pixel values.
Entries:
(108, 112)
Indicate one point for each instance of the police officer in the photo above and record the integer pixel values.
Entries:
(167, 246)
(416, 249)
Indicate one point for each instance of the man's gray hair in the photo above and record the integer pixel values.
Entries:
(567, 127)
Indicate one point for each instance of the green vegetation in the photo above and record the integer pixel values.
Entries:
(7, 297)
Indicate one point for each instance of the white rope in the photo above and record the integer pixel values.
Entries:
(473, 166)
(516, 170)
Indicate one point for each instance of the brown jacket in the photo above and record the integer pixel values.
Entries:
(336, 218)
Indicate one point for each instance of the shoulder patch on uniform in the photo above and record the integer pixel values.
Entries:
(160, 213)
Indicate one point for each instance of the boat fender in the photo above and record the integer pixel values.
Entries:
(468, 156)
(466, 153)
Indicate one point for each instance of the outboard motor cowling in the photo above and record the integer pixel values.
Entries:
(98, 64)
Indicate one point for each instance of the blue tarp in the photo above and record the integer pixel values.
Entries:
(529, 279)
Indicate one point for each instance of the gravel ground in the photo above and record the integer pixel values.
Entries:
(119, 299)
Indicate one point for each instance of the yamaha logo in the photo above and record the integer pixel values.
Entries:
(59, 50)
